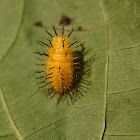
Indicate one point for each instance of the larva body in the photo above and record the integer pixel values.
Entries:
(60, 69)
(61, 72)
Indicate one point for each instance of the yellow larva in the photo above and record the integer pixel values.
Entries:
(59, 63)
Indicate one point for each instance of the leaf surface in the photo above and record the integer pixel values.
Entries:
(110, 110)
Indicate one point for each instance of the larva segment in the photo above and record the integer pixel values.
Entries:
(60, 64)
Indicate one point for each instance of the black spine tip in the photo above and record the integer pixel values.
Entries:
(39, 71)
(80, 45)
(63, 30)
(50, 42)
(42, 43)
(74, 43)
(41, 53)
(48, 32)
(54, 30)
(70, 33)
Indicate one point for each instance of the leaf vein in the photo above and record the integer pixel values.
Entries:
(18, 29)
(5, 106)
(106, 69)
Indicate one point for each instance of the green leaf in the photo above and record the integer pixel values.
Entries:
(110, 110)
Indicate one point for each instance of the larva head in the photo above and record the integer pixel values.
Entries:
(58, 41)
